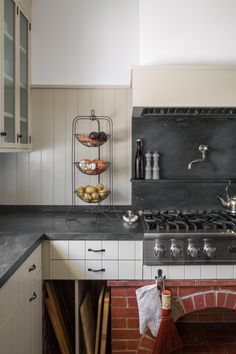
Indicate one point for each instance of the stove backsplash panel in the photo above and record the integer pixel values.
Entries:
(177, 139)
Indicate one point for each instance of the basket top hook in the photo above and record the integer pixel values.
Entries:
(92, 114)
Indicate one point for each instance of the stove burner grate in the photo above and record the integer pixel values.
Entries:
(187, 220)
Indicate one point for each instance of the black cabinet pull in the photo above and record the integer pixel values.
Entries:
(33, 297)
(3, 133)
(18, 137)
(101, 250)
(33, 267)
(96, 270)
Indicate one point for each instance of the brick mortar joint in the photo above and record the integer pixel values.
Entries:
(216, 292)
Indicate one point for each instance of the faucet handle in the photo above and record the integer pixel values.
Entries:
(203, 148)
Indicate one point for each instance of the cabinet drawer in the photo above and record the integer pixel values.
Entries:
(111, 269)
(77, 269)
(59, 269)
(111, 250)
(59, 249)
(93, 269)
(94, 250)
(76, 249)
(101, 250)
(126, 250)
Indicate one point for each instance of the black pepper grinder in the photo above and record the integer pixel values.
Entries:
(139, 161)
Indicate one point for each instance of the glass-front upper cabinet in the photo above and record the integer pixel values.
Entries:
(9, 75)
(15, 132)
(24, 82)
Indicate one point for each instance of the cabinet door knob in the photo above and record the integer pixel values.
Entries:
(101, 250)
(96, 270)
(3, 133)
(33, 267)
(33, 297)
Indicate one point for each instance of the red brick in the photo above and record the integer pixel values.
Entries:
(125, 334)
(119, 283)
(232, 282)
(188, 304)
(123, 312)
(210, 300)
(121, 352)
(143, 351)
(221, 299)
(174, 283)
(119, 344)
(133, 344)
(138, 284)
(123, 292)
(132, 302)
(199, 302)
(230, 288)
(192, 290)
(132, 323)
(211, 282)
(230, 301)
(119, 302)
(118, 323)
(147, 343)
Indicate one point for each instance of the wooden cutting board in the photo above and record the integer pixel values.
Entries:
(99, 320)
(105, 317)
(88, 323)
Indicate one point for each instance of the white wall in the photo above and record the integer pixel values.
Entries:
(95, 42)
(84, 42)
(187, 32)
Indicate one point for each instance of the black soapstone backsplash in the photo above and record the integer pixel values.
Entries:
(177, 139)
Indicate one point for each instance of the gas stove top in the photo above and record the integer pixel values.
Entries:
(188, 236)
(187, 221)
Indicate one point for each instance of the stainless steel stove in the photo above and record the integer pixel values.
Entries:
(188, 237)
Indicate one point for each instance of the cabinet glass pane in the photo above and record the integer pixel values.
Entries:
(23, 79)
(9, 70)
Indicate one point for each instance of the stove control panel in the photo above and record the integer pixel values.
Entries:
(212, 250)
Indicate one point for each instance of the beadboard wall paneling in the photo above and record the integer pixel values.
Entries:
(44, 175)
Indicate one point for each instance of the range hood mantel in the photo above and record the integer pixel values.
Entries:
(184, 86)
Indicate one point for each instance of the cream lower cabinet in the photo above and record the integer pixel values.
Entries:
(94, 259)
(21, 302)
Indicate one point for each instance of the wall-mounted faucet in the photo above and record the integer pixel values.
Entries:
(203, 149)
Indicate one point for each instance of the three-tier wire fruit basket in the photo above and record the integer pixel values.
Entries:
(92, 161)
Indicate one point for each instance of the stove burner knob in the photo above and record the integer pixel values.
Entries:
(175, 251)
(209, 250)
(159, 251)
(193, 251)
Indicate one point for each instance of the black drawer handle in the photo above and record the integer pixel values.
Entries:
(3, 133)
(33, 297)
(101, 250)
(96, 270)
(33, 267)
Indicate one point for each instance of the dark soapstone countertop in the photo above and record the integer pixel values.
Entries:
(22, 231)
